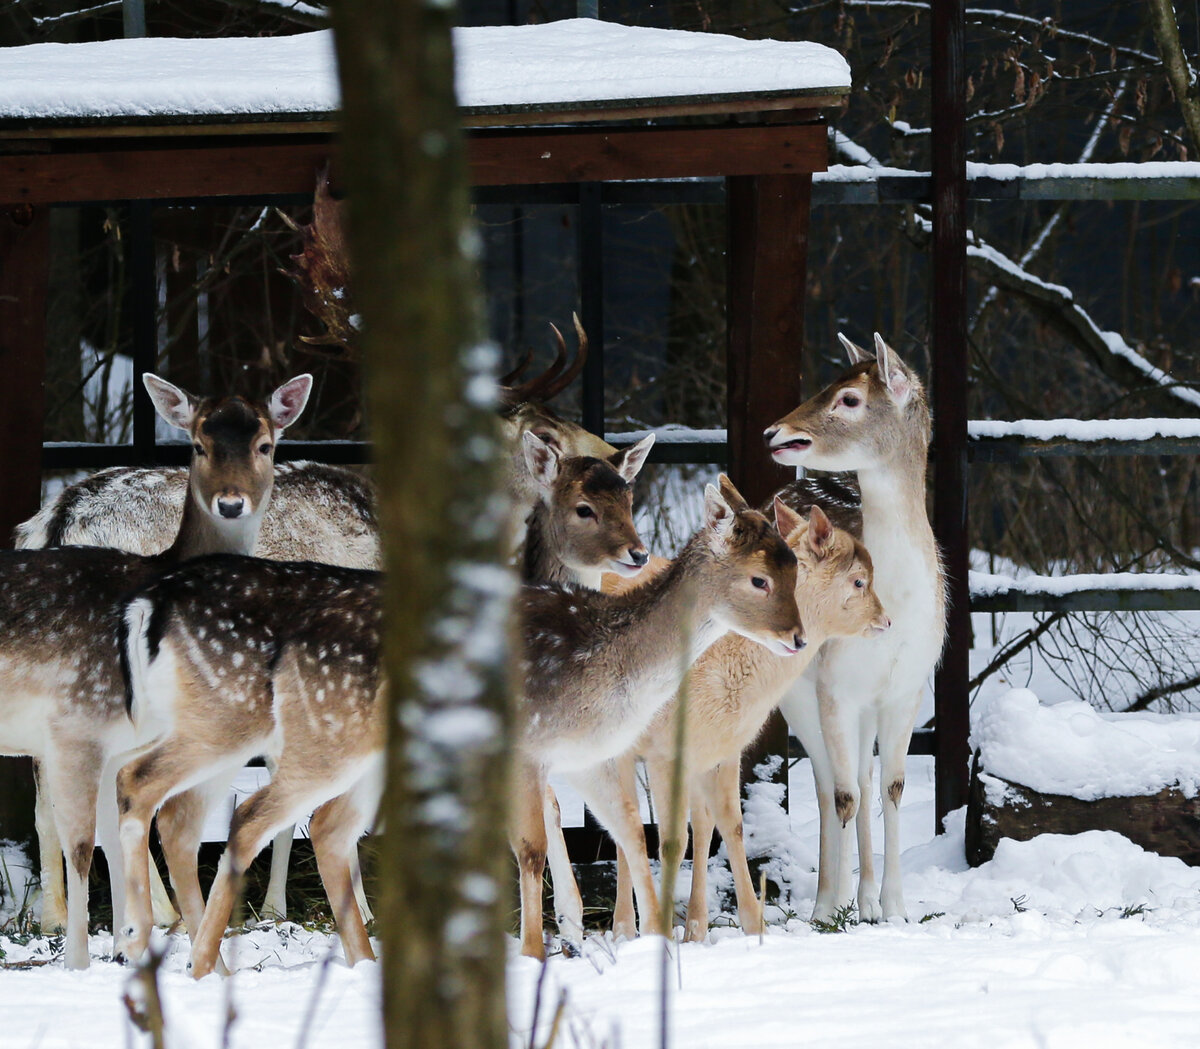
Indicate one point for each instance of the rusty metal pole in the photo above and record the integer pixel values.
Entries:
(948, 328)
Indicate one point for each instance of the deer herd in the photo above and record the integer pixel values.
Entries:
(146, 656)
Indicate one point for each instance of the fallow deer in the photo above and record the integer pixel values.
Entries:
(874, 420)
(60, 619)
(732, 689)
(597, 668)
(241, 657)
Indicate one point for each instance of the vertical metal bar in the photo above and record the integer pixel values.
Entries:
(133, 15)
(948, 328)
(142, 304)
(591, 294)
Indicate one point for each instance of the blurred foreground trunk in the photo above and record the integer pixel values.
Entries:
(444, 858)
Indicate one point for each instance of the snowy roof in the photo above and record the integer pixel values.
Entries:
(572, 64)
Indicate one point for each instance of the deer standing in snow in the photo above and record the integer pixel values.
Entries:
(60, 613)
(596, 669)
(873, 420)
(732, 689)
(317, 513)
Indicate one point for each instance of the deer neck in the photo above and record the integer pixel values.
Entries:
(202, 533)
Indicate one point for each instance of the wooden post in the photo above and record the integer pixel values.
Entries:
(24, 277)
(948, 303)
(767, 218)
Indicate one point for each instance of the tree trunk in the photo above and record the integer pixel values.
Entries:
(444, 857)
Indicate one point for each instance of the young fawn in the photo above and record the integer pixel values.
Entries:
(875, 420)
(241, 657)
(60, 619)
(732, 689)
(597, 668)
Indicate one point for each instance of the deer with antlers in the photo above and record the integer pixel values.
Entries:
(874, 420)
(60, 619)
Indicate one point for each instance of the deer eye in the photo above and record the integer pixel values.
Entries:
(859, 584)
(850, 399)
(265, 449)
(759, 583)
(585, 511)
(198, 448)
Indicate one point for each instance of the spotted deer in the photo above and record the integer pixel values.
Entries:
(60, 615)
(732, 689)
(317, 513)
(241, 657)
(874, 420)
(596, 668)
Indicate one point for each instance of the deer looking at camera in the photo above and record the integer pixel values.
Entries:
(874, 420)
(732, 689)
(62, 682)
(597, 668)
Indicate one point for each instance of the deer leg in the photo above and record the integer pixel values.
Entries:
(568, 904)
(335, 829)
(624, 915)
(895, 732)
(726, 802)
(72, 773)
(360, 894)
(53, 915)
(702, 829)
(527, 836)
(672, 829)
(840, 731)
(602, 789)
(180, 828)
(868, 887)
(254, 822)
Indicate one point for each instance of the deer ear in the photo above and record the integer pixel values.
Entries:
(718, 514)
(820, 531)
(176, 406)
(855, 352)
(731, 495)
(893, 372)
(541, 459)
(288, 401)
(786, 519)
(628, 462)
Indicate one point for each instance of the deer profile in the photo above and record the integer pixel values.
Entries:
(60, 618)
(596, 668)
(873, 420)
(732, 689)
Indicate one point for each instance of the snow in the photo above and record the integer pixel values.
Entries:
(1070, 748)
(1086, 429)
(1060, 942)
(985, 584)
(575, 61)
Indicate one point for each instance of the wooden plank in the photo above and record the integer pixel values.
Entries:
(1095, 599)
(767, 260)
(598, 154)
(24, 277)
(165, 170)
(948, 329)
(1014, 449)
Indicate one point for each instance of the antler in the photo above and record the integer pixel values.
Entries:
(553, 380)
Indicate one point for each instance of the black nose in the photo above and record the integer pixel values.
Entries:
(799, 640)
(230, 507)
(639, 557)
(769, 435)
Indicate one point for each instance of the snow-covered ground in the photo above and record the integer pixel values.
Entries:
(1059, 942)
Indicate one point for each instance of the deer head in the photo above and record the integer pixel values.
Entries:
(233, 453)
(754, 572)
(588, 520)
(873, 412)
(835, 577)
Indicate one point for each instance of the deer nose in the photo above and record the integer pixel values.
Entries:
(769, 435)
(799, 641)
(639, 557)
(231, 507)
